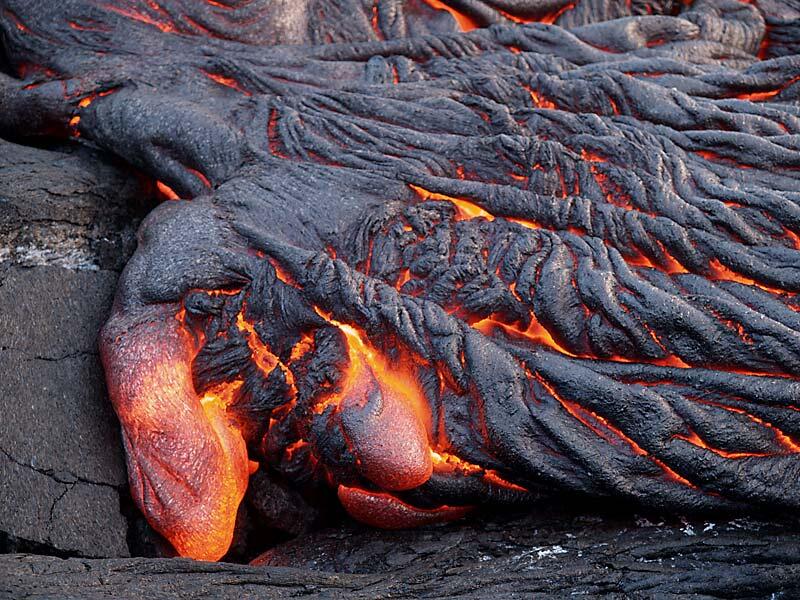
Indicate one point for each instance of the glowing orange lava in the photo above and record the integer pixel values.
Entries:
(465, 22)
(187, 461)
(166, 191)
(384, 414)
(444, 462)
(227, 82)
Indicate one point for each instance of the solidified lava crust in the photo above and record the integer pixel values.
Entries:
(435, 254)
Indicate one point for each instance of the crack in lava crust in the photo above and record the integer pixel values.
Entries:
(432, 255)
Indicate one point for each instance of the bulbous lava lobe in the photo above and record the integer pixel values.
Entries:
(386, 432)
(187, 464)
(383, 510)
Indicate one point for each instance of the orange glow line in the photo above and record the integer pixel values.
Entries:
(794, 237)
(579, 412)
(446, 462)
(538, 100)
(553, 17)
(166, 191)
(200, 176)
(465, 22)
(539, 335)
(668, 361)
(293, 448)
(272, 135)
(282, 275)
(718, 158)
(759, 96)
(466, 209)
(547, 19)
(721, 272)
(535, 332)
(264, 359)
(783, 439)
(229, 82)
(696, 440)
(261, 354)
(673, 266)
(671, 474)
(79, 27)
(405, 276)
(17, 22)
(142, 18)
(374, 21)
(762, 96)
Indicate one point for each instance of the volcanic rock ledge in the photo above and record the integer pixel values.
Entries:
(541, 555)
(67, 226)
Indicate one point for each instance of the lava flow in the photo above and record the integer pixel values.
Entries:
(384, 416)
(606, 245)
(186, 459)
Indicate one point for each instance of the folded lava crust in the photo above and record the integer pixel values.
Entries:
(427, 255)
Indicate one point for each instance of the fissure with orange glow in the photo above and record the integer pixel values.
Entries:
(229, 82)
(586, 417)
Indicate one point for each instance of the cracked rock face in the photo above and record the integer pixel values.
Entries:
(438, 265)
(63, 236)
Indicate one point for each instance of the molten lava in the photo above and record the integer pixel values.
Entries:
(190, 474)
(384, 415)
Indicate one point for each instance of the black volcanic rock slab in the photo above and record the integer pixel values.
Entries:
(67, 223)
(545, 555)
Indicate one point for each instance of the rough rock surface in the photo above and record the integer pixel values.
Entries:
(541, 555)
(67, 223)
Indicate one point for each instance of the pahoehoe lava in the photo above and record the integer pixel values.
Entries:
(433, 254)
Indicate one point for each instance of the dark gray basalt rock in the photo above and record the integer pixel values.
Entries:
(67, 223)
(545, 555)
